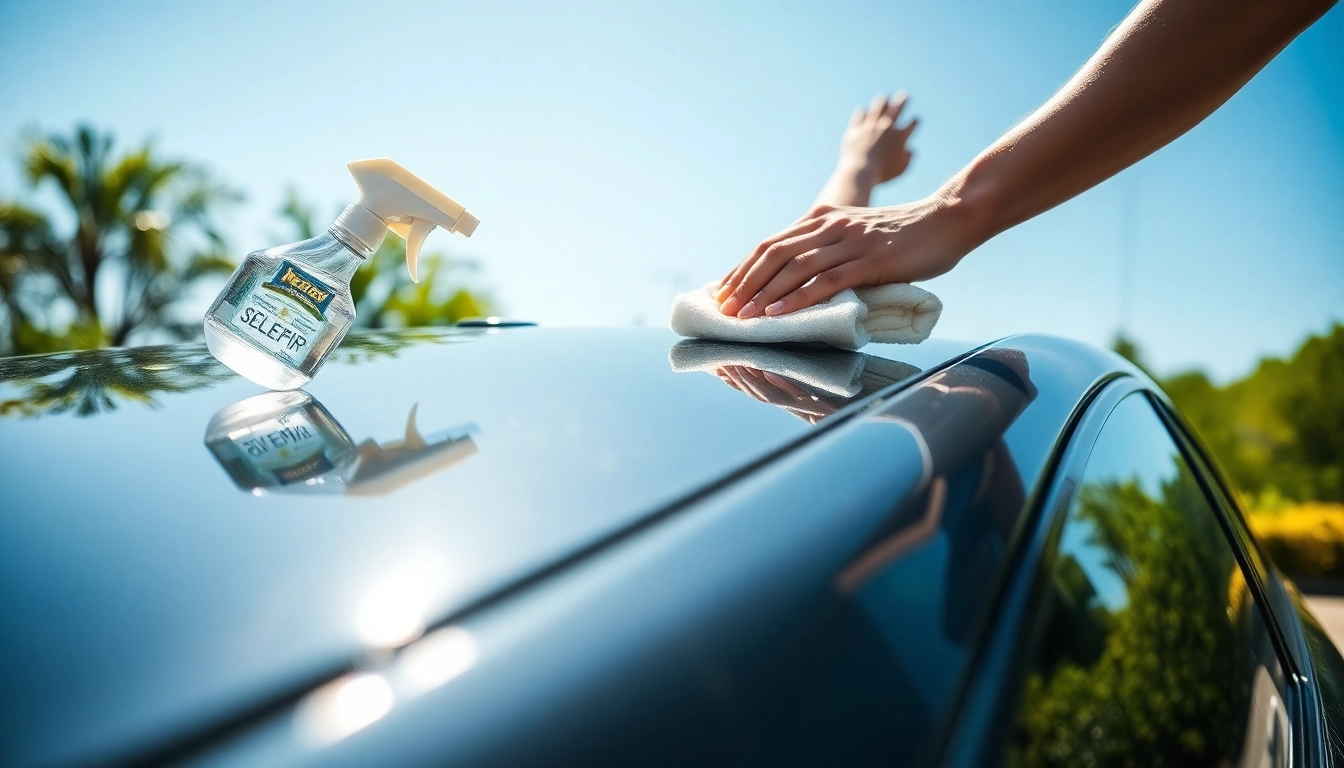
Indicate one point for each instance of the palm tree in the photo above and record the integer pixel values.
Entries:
(140, 237)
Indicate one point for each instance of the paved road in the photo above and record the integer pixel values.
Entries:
(1330, 610)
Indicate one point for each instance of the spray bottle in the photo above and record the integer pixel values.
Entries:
(287, 308)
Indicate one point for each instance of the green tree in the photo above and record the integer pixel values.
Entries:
(1278, 432)
(139, 237)
(1313, 409)
(385, 296)
(1126, 347)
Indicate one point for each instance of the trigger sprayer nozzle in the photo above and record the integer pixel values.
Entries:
(392, 197)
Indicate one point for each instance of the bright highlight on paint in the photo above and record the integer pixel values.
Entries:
(436, 659)
(393, 614)
(343, 707)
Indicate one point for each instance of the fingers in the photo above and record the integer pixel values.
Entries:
(823, 287)
(878, 106)
(739, 273)
(771, 261)
(894, 107)
(776, 390)
(787, 386)
(729, 376)
(734, 277)
(723, 280)
(722, 373)
(760, 388)
(739, 381)
(799, 270)
(909, 127)
(882, 111)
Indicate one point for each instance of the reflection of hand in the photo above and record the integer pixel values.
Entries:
(777, 390)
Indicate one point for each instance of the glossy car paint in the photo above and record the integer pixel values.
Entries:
(149, 598)
(638, 566)
(811, 612)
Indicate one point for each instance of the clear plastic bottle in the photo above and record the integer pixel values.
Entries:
(277, 339)
(285, 309)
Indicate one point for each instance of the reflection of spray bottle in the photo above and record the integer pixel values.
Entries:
(281, 441)
(285, 309)
(383, 468)
(287, 442)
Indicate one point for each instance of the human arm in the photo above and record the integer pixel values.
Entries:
(1165, 68)
(873, 151)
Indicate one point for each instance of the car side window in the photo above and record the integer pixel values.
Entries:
(1148, 648)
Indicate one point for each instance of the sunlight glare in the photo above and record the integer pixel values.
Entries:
(436, 659)
(340, 708)
(393, 613)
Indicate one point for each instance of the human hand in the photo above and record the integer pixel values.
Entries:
(833, 248)
(873, 145)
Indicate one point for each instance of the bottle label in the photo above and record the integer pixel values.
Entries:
(285, 314)
(287, 447)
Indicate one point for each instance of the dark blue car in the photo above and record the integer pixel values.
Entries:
(532, 546)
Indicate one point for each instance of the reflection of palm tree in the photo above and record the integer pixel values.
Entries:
(367, 346)
(129, 212)
(96, 381)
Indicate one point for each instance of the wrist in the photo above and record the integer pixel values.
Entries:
(857, 170)
(847, 186)
(972, 200)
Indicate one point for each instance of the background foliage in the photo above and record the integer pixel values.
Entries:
(1279, 432)
(1279, 435)
(384, 295)
(131, 237)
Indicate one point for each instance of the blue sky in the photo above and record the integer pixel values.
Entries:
(618, 152)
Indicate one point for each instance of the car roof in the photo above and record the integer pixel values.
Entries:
(479, 458)
(825, 606)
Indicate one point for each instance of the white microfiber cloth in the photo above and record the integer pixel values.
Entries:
(898, 313)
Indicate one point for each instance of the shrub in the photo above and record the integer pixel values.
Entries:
(1304, 540)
